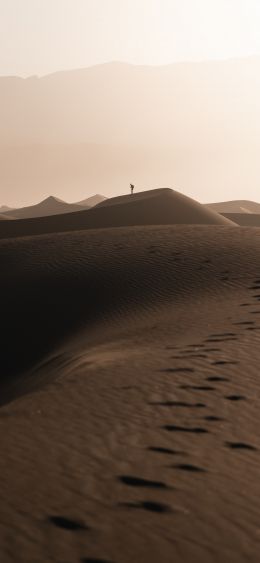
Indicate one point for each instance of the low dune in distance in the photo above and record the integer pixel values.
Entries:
(140, 441)
(154, 207)
(91, 201)
(244, 219)
(49, 206)
(3, 217)
(235, 206)
(5, 208)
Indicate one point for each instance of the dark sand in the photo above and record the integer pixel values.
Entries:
(140, 440)
(244, 219)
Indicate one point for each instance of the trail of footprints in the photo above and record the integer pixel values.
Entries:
(190, 352)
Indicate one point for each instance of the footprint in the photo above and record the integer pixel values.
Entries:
(180, 404)
(165, 451)
(173, 428)
(151, 506)
(253, 328)
(67, 523)
(222, 334)
(189, 467)
(197, 387)
(178, 370)
(212, 418)
(236, 398)
(91, 560)
(224, 362)
(226, 339)
(137, 482)
(213, 350)
(240, 446)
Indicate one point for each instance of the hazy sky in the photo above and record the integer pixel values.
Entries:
(42, 36)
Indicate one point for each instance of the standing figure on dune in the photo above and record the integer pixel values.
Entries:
(132, 188)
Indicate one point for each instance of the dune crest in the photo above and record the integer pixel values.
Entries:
(154, 207)
(49, 206)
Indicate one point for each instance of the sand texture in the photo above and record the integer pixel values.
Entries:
(130, 393)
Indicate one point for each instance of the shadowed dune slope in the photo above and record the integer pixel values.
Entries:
(55, 284)
(244, 219)
(49, 206)
(154, 207)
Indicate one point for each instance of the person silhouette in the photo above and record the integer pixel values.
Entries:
(132, 188)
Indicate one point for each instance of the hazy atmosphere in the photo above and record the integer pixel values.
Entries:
(179, 108)
(42, 37)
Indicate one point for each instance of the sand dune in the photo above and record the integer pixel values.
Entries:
(142, 440)
(49, 206)
(91, 201)
(3, 217)
(236, 206)
(5, 208)
(244, 219)
(154, 207)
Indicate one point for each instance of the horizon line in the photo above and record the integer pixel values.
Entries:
(131, 64)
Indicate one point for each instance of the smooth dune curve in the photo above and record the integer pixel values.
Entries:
(154, 207)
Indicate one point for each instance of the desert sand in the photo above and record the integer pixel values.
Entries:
(3, 217)
(130, 395)
(244, 219)
(152, 207)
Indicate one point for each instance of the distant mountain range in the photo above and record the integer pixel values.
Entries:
(195, 126)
